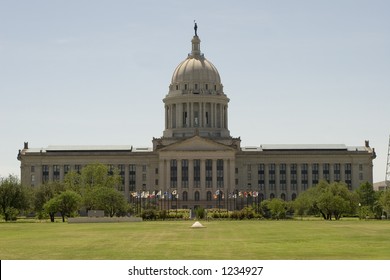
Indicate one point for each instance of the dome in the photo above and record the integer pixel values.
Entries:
(196, 72)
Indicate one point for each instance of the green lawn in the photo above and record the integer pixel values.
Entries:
(295, 239)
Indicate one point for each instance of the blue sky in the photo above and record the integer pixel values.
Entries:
(95, 72)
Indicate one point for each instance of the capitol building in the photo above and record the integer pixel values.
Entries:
(197, 159)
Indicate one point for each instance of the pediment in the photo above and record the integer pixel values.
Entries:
(197, 143)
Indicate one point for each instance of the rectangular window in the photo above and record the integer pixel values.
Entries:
(219, 173)
(32, 169)
(348, 175)
(293, 176)
(66, 169)
(209, 173)
(272, 176)
(77, 168)
(197, 173)
(337, 172)
(184, 173)
(132, 177)
(45, 173)
(261, 175)
(326, 172)
(56, 172)
(173, 173)
(121, 168)
(315, 173)
(304, 176)
(282, 176)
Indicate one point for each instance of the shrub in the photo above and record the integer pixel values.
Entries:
(200, 213)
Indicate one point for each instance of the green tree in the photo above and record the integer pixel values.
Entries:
(14, 198)
(92, 183)
(384, 202)
(99, 175)
(43, 194)
(278, 208)
(66, 203)
(366, 194)
(110, 200)
(328, 199)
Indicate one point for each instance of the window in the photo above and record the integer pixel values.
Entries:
(121, 168)
(209, 196)
(304, 176)
(144, 168)
(337, 172)
(283, 177)
(315, 173)
(185, 196)
(326, 172)
(197, 196)
(45, 173)
(219, 173)
(77, 168)
(32, 169)
(132, 176)
(209, 173)
(197, 173)
(66, 169)
(261, 176)
(348, 175)
(56, 172)
(293, 176)
(173, 173)
(184, 173)
(272, 176)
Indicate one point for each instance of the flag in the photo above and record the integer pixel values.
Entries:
(255, 194)
(217, 192)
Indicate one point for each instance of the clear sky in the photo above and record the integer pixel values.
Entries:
(95, 72)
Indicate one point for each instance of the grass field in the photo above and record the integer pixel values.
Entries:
(269, 240)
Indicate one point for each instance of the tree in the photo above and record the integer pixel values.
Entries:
(43, 194)
(66, 203)
(109, 200)
(93, 180)
(366, 194)
(328, 199)
(14, 198)
(384, 202)
(278, 208)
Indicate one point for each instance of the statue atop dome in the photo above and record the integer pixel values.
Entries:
(196, 28)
